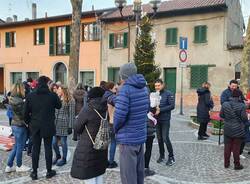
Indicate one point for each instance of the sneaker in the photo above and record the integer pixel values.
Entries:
(171, 161)
(240, 167)
(50, 174)
(61, 162)
(56, 159)
(160, 160)
(112, 165)
(242, 157)
(9, 169)
(23, 168)
(33, 175)
(148, 172)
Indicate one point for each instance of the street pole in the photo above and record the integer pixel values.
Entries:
(181, 101)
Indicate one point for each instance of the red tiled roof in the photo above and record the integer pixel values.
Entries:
(167, 6)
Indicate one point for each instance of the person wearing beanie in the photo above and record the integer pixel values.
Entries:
(39, 113)
(90, 164)
(234, 114)
(130, 123)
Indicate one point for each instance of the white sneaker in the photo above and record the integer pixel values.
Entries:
(242, 157)
(10, 169)
(23, 168)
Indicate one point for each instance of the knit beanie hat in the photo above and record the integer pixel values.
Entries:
(127, 70)
(96, 92)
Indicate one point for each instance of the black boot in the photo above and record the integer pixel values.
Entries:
(50, 174)
(33, 175)
(160, 159)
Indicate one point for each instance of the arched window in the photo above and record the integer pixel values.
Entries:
(60, 73)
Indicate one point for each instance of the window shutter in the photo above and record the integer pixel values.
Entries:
(110, 74)
(41, 36)
(52, 41)
(7, 39)
(168, 36)
(174, 36)
(125, 40)
(68, 32)
(196, 34)
(199, 74)
(203, 34)
(111, 40)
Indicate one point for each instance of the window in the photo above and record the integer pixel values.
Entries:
(87, 78)
(200, 34)
(113, 75)
(10, 39)
(118, 40)
(171, 36)
(59, 40)
(90, 32)
(39, 36)
(15, 76)
(33, 75)
(199, 74)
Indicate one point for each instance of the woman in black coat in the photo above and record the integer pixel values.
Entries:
(90, 164)
(205, 104)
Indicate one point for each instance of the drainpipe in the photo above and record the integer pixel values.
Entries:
(129, 31)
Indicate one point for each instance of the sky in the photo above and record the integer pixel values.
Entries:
(22, 8)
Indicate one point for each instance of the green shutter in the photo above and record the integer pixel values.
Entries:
(125, 40)
(7, 39)
(174, 36)
(111, 40)
(203, 34)
(110, 74)
(68, 32)
(41, 36)
(168, 36)
(199, 74)
(196, 34)
(171, 36)
(52, 41)
(200, 34)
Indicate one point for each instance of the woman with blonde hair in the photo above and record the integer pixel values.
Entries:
(19, 129)
(64, 119)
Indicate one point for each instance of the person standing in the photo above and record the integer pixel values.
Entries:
(167, 104)
(40, 113)
(90, 164)
(130, 123)
(64, 119)
(234, 114)
(205, 104)
(19, 130)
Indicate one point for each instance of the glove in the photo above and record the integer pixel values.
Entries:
(69, 131)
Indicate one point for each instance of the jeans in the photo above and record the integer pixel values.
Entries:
(64, 145)
(232, 145)
(112, 149)
(162, 130)
(96, 180)
(148, 151)
(132, 164)
(20, 134)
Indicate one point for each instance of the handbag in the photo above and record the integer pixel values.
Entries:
(102, 138)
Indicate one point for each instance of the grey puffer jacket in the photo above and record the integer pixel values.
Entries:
(17, 105)
(235, 116)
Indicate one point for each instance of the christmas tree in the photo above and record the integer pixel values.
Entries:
(145, 53)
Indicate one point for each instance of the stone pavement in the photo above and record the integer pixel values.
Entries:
(197, 162)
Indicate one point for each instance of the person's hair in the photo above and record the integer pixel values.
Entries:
(205, 84)
(237, 93)
(159, 81)
(66, 94)
(29, 79)
(103, 84)
(43, 80)
(80, 86)
(109, 85)
(52, 85)
(18, 90)
(233, 82)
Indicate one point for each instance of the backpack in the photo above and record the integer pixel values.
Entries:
(102, 139)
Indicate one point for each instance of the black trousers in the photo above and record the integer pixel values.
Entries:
(36, 139)
(162, 130)
(203, 128)
(242, 146)
(148, 151)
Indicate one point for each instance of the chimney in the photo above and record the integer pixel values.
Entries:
(26, 19)
(15, 18)
(9, 19)
(46, 15)
(33, 10)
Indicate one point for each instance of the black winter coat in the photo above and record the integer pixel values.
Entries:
(39, 111)
(88, 162)
(235, 116)
(205, 104)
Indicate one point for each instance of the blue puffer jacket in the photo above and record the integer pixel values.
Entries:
(131, 108)
(167, 104)
(227, 95)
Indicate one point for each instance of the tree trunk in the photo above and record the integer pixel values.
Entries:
(245, 64)
(74, 44)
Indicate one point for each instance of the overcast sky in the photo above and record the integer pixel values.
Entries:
(22, 8)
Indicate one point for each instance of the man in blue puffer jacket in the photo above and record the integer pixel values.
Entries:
(130, 124)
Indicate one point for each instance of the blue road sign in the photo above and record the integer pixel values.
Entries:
(183, 43)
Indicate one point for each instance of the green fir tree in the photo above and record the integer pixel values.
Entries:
(145, 53)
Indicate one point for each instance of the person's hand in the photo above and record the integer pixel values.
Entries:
(158, 110)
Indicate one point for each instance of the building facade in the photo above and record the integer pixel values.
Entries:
(214, 30)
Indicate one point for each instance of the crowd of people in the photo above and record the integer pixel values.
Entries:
(44, 110)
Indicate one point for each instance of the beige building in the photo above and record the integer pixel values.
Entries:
(214, 29)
